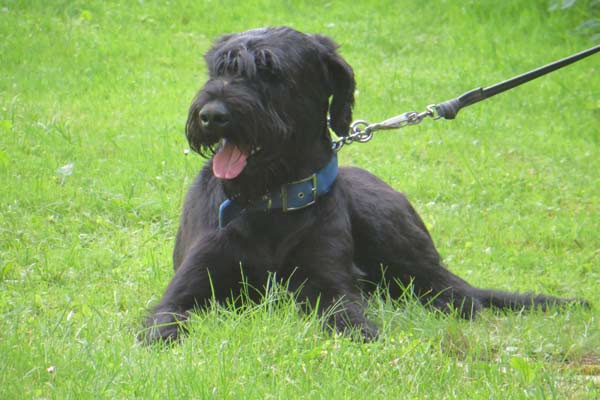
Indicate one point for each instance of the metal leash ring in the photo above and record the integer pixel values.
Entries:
(361, 135)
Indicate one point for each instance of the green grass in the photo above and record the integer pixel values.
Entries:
(510, 191)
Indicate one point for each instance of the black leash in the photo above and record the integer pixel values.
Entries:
(450, 108)
(361, 131)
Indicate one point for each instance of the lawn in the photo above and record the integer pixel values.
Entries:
(93, 103)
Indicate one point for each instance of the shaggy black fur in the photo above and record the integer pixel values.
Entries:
(269, 94)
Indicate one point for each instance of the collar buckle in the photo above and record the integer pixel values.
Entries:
(297, 192)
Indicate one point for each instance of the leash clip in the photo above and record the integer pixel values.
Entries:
(361, 131)
(403, 120)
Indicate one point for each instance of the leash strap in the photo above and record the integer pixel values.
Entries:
(450, 108)
(361, 131)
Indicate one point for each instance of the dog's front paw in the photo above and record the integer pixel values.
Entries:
(163, 327)
(360, 329)
(368, 332)
(364, 332)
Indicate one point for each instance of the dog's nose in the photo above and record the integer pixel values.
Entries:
(214, 115)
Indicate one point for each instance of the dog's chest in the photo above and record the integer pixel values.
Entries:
(268, 242)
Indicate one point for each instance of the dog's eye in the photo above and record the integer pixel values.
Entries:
(269, 75)
(265, 59)
(267, 64)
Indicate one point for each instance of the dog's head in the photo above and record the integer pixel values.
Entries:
(266, 102)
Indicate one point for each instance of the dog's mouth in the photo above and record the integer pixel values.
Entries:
(230, 160)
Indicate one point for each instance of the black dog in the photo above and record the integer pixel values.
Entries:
(272, 201)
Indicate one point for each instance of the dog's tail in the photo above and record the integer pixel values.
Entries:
(523, 301)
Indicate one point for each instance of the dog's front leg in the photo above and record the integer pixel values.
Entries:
(329, 284)
(347, 316)
(191, 286)
(343, 312)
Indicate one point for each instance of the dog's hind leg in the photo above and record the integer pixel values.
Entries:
(434, 286)
(519, 301)
(389, 233)
(408, 258)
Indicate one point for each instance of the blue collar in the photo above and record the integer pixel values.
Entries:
(292, 196)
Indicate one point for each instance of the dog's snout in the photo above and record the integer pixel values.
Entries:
(214, 115)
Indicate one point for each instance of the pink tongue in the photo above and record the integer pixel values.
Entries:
(229, 162)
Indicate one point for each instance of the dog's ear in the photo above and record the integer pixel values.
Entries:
(341, 82)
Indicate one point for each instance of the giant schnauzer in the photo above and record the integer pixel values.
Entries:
(271, 200)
